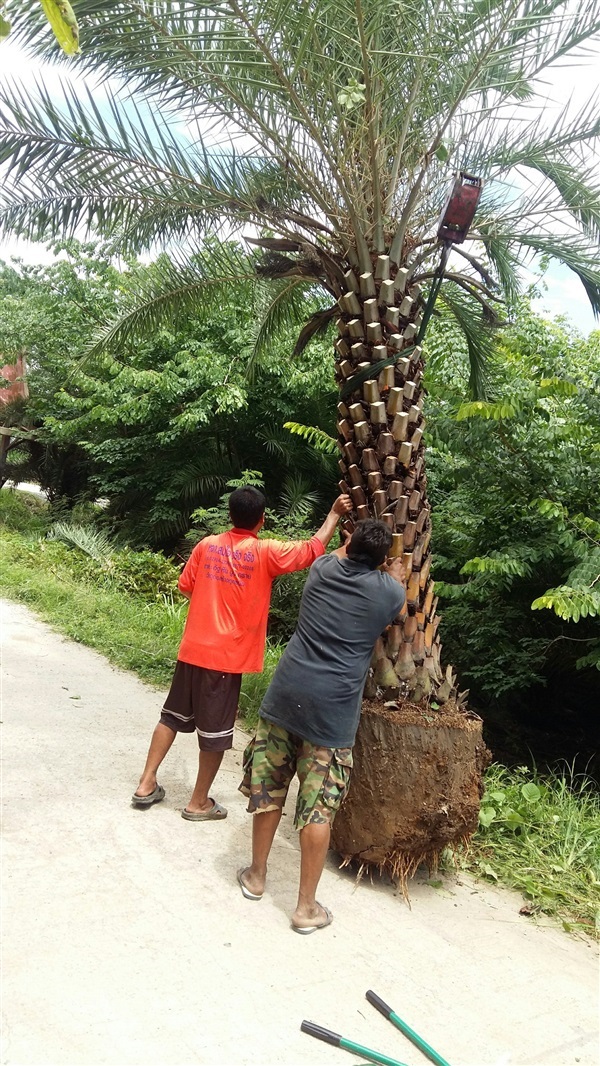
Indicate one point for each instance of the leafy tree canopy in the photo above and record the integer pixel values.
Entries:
(160, 429)
(515, 485)
(336, 127)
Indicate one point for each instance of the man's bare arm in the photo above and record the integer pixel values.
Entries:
(341, 506)
(342, 552)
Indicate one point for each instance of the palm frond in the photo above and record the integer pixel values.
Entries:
(197, 479)
(478, 333)
(573, 253)
(503, 260)
(277, 444)
(169, 288)
(317, 325)
(74, 163)
(317, 438)
(92, 542)
(286, 304)
(297, 499)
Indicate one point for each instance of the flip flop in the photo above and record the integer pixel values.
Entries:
(306, 929)
(215, 814)
(246, 893)
(147, 801)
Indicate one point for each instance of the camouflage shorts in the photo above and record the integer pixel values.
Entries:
(273, 757)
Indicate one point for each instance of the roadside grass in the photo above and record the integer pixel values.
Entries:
(98, 605)
(539, 833)
(22, 512)
(138, 636)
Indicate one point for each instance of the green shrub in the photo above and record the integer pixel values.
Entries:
(145, 573)
(254, 686)
(541, 834)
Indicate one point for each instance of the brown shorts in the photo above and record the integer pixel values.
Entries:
(204, 701)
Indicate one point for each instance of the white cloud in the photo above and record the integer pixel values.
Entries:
(566, 296)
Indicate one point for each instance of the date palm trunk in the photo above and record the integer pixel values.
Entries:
(419, 754)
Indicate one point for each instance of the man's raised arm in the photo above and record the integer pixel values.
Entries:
(340, 507)
(287, 556)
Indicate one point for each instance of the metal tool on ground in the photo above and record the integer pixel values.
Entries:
(417, 1040)
(348, 1045)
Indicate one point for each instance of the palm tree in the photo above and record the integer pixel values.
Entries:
(328, 132)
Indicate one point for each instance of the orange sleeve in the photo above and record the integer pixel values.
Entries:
(285, 556)
(188, 575)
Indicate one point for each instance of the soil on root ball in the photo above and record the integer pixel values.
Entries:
(415, 788)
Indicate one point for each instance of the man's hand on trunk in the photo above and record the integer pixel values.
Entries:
(342, 552)
(341, 506)
(396, 570)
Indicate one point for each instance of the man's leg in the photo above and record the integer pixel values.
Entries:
(324, 776)
(264, 827)
(215, 698)
(162, 738)
(269, 765)
(314, 845)
(209, 763)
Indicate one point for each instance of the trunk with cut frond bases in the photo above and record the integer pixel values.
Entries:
(417, 779)
(380, 429)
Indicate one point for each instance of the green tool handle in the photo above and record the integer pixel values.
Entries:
(348, 1045)
(417, 1040)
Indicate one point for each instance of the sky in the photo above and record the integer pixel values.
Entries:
(561, 292)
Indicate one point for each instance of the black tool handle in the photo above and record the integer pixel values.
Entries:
(378, 1003)
(321, 1033)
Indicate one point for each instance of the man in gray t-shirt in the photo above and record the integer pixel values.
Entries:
(310, 712)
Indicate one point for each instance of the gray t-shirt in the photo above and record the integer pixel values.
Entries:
(316, 691)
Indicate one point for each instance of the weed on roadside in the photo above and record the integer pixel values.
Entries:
(540, 834)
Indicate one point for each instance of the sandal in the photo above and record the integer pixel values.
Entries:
(246, 893)
(215, 814)
(306, 929)
(147, 801)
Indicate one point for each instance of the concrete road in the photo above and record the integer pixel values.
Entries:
(127, 940)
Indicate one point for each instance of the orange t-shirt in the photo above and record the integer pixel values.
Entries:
(229, 577)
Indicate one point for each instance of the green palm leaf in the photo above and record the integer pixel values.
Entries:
(285, 307)
(170, 288)
(478, 333)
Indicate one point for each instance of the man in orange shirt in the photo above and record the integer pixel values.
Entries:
(228, 581)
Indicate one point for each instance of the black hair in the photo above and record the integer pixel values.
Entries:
(370, 543)
(246, 507)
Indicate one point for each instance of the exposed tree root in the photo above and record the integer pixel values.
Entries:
(415, 790)
(401, 866)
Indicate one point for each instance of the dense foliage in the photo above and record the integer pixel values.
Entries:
(159, 431)
(515, 486)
